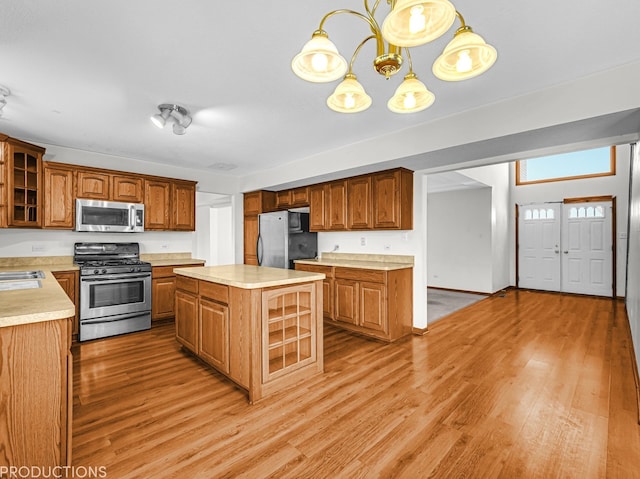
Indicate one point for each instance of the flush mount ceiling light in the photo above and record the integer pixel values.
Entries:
(4, 93)
(179, 115)
(409, 23)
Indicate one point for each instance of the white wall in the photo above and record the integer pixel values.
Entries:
(617, 185)
(30, 242)
(459, 236)
(497, 176)
(633, 278)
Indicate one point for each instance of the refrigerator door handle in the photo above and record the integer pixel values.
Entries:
(259, 250)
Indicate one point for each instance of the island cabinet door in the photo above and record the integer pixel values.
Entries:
(346, 302)
(187, 320)
(213, 344)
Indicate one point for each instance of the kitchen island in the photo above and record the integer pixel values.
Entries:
(260, 327)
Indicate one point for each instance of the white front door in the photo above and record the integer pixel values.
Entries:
(587, 248)
(539, 246)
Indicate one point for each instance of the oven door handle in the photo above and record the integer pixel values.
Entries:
(115, 278)
(119, 317)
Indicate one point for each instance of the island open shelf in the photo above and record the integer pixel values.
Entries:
(260, 327)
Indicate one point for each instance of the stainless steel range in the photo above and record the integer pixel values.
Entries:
(115, 289)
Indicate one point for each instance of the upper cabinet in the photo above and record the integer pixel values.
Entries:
(20, 183)
(293, 198)
(169, 203)
(378, 201)
(58, 196)
(393, 199)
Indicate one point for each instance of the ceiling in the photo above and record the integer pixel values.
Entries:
(88, 75)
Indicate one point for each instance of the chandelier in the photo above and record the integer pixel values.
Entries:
(410, 23)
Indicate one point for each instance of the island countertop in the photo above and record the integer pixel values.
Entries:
(248, 276)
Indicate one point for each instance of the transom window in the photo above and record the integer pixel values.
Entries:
(567, 166)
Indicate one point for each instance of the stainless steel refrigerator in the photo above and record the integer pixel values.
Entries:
(284, 236)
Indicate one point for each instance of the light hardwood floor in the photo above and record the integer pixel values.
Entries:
(530, 385)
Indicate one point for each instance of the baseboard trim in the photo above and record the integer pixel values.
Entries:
(419, 331)
(634, 366)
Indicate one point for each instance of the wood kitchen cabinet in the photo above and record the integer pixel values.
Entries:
(93, 185)
(59, 202)
(129, 189)
(163, 288)
(69, 281)
(393, 199)
(359, 204)
(292, 198)
(157, 205)
(213, 332)
(186, 307)
(376, 303)
(20, 183)
(36, 386)
(255, 202)
(328, 209)
(183, 207)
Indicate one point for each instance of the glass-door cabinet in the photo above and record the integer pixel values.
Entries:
(22, 184)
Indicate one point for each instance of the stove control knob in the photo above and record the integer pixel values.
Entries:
(137, 270)
(104, 271)
(96, 271)
(131, 270)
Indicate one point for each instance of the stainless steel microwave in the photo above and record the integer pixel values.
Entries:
(109, 216)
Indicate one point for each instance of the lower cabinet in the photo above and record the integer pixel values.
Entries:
(163, 289)
(263, 339)
(376, 303)
(69, 281)
(36, 387)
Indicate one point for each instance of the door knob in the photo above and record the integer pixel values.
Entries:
(566, 252)
(556, 251)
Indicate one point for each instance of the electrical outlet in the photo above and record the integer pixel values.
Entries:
(363, 241)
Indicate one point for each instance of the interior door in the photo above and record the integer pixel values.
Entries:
(539, 246)
(587, 248)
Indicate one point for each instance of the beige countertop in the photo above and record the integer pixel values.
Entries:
(363, 261)
(249, 277)
(46, 303)
(174, 262)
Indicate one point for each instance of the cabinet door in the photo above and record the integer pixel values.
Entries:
(183, 199)
(393, 200)
(250, 240)
(58, 198)
(346, 302)
(128, 189)
(283, 199)
(337, 206)
(317, 208)
(186, 308)
(93, 185)
(300, 196)
(213, 344)
(327, 298)
(68, 280)
(163, 291)
(25, 187)
(373, 306)
(157, 196)
(359, 204)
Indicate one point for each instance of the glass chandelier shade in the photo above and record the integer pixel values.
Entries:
(411, 96)
(319, 60)
(416, 22)
(349, 96)
(466, 56)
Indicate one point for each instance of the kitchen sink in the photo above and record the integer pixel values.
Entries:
(20, 275)
(21, 284)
